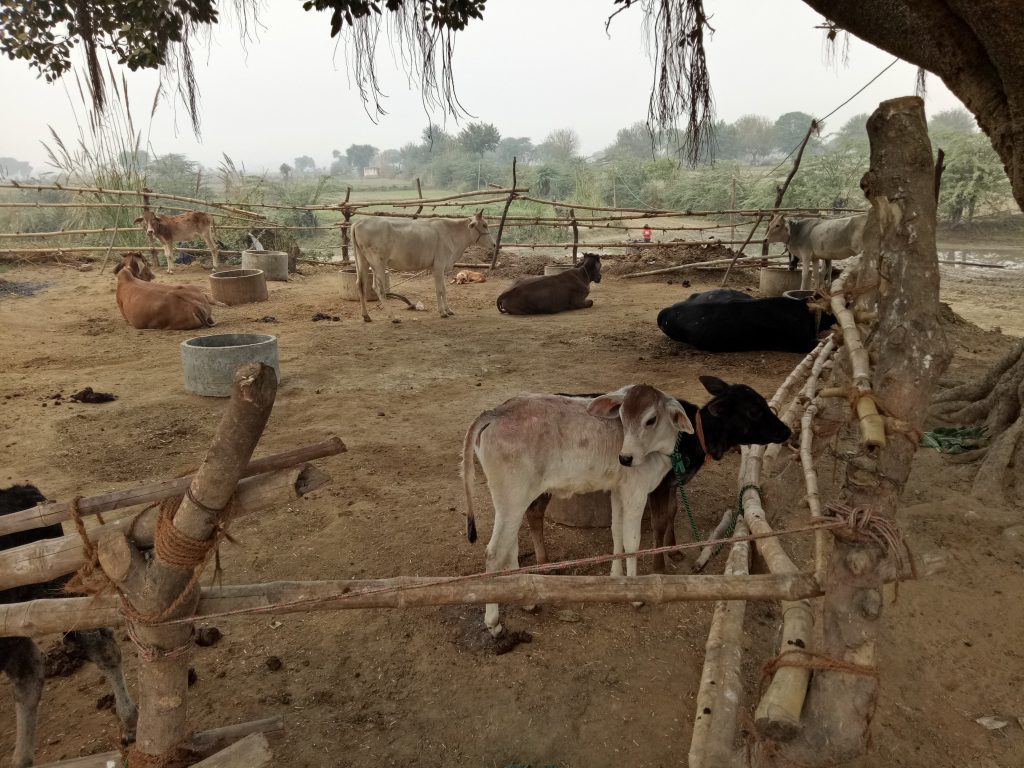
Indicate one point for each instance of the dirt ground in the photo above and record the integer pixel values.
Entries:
(599, 685)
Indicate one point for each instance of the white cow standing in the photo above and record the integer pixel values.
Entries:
(536, 444)
(814, 240)
(408, 245)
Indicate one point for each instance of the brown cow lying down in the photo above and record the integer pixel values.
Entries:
(549, 294)
(160, 307)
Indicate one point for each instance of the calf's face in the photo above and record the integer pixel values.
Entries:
(136, 265)
(741, 417)
(149, 221)
(651, 421)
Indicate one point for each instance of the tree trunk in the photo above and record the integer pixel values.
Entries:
(164, 587)
(910, 353)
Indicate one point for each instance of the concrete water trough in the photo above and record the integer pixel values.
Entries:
(273, 263)
(210, 362)
(349, 289)
(775, 281)
(556, 269)
(239, 286)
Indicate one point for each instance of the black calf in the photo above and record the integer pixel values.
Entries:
(731, 321)
(736, 415)
(20, 658)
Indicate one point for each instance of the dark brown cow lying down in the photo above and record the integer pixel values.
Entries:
(549, 294)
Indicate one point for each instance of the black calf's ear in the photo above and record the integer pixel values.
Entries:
(714, 385)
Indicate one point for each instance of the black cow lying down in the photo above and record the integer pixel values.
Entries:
(20, 658)
(731, 321)
(549, 294)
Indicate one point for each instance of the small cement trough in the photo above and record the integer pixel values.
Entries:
(349, 289)
(210, 362)
(557, 269)
(273, 263)
(239, 286)
(775, 281)
(585, 510)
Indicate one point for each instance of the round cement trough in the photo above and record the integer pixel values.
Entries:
(349, 289)
(585, 510)
(799, 295)
(210, 362)
(273, 263)
(557, 269)
(775, 281)
(239, 286)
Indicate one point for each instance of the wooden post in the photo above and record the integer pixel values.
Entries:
(781, 191)
(575, 233)
(419, 194)
(346, 211)
(504, 214)
(732, 204)
(164, 587)
(910, 352)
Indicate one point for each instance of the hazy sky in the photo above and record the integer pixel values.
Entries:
(530, 67)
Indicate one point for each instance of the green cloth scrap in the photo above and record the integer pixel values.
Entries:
(954, 439)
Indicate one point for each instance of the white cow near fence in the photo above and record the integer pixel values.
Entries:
(536, 444)
(409, 245)
(813, 240)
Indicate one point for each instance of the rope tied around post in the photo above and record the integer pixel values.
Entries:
(863, 526)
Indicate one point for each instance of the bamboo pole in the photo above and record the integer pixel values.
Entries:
(46, 616)
(419, 194)
(575, 234)
(714, 262)
(788, 415)
(739, 253)
(872, 425)
(813, 400)
(51, 512)
(504, 215)
(778, 713)
(59, 249)
(665, 212)
(721, 681)
(200, 744)
(43, 616)
(137, 230)
(48, 559)
(102, 191)
(435, 200)
(218, 214)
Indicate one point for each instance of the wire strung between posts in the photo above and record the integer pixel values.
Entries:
(540, 568)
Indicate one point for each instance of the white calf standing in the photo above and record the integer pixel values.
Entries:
(814, 240)
(535, 444)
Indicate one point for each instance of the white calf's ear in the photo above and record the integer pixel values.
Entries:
(607, 406)
(678, 415)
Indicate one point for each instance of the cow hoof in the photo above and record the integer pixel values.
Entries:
(366, 319)
(395, 320)
(496, 630)
(638, 605)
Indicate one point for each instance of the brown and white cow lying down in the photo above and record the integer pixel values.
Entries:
(814, 240)
(186, 226)
(549, 444)
(154, 306)
(548, 294)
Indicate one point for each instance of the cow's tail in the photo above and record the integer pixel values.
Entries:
(469, 469)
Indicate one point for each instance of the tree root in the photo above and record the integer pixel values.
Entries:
(998, 402)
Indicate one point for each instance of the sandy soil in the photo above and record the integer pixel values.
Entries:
(599, 685)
